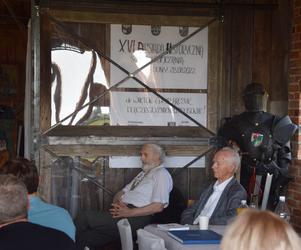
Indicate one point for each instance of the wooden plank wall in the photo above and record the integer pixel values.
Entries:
(13, 57)
(256, 49)
(13, 42)
(13, 52)
(251, 44)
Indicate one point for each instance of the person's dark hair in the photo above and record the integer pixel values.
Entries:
(24, 170)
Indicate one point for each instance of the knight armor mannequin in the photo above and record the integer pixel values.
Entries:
(263, 140)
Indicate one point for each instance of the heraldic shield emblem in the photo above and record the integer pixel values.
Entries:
(256, 139)
(183, 31)
(126, 29)
(156, 30)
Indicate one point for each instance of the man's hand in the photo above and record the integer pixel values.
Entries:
(120, 210)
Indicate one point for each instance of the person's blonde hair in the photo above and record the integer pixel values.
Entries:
(260, 230)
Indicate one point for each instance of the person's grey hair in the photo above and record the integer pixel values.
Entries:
(13, 199)
(158, 149)
(235, 158)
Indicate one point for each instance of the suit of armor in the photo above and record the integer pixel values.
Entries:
(254, 133)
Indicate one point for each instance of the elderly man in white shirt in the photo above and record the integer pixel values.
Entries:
(145, 195)
(221, 199)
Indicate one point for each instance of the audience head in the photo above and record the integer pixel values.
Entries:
(260, 230)
(13, 199)
(25, 170)
(152, 155)
(225, 163)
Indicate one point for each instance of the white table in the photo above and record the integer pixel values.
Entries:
(172, 244)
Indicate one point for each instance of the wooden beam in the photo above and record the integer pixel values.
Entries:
(139, 19)
(185, 13)
(87, 151)
(133, 7)
(184, 7)
(130, 131)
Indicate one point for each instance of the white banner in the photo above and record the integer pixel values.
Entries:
(170, 162)
(140, 108)
(184, 68)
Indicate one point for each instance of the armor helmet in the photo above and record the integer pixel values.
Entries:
(255, 97)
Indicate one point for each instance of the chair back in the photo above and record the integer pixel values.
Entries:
(149, 241)
(171, 214)
(125, 233)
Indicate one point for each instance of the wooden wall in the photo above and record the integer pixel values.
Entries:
(13, 52)
(250, 45)
(256, 49)
(12, 61)
(13, 43)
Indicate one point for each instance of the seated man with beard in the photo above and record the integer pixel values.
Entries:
(145, 195)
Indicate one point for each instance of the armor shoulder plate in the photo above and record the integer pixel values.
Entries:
(283, 130)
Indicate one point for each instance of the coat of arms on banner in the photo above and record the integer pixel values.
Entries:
(156, 30)
(256, 139)
(183, 30)
(126, 29)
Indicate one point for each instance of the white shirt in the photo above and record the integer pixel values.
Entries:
(155, 186)
(213, 199)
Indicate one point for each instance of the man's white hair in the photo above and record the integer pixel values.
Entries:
(157, 148)
(234, 156)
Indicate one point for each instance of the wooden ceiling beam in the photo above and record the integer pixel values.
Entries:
(172, 7)
(113, 18)
(131, 7)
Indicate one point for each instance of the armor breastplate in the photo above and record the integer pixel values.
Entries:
(254, 137)
(262, 140)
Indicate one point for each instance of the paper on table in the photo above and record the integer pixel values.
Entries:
(172, 227)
